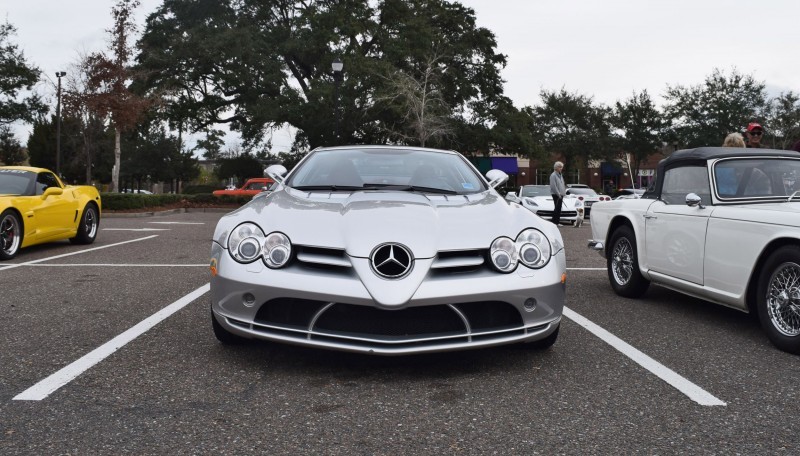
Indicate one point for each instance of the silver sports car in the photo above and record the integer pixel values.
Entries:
(387, 250)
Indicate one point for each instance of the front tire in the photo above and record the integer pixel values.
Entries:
(778, 298)
(10, 234)
(547, 342)
(623, 264)
(223, 335)
(87, 229)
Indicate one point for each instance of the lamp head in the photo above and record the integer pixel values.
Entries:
(337, 65)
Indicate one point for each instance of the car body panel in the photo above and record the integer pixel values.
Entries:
(334, 234)
(52, 217)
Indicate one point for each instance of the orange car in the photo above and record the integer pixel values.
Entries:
(252, 187)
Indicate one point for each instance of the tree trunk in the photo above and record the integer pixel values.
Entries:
(117, 153)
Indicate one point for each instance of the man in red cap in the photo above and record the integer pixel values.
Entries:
(753, 134)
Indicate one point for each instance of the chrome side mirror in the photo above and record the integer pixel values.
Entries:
(692, 200)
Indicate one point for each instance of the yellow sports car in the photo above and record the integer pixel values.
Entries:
(36, 207)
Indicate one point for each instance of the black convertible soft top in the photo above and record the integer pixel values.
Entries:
(700, 155)
(706, 153)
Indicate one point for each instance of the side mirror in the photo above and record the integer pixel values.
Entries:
(692, 200)
(50, 191)
(276, 172)
(496, 177)
(512, 197)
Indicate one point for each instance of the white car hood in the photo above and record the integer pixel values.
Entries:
(360, 221)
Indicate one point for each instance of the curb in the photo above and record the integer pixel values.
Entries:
(180, 210)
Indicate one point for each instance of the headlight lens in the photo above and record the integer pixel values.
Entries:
(244, 243)
(277, 250)
(531, 202)
(504, 254)
(534, 248)
(247, 243)
(531, 247)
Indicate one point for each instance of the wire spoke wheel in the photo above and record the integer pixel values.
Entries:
(783, 299)
(622, 261)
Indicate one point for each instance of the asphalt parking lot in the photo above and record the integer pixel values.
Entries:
(108, 349)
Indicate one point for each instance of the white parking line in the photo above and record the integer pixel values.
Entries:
(587, 269)
(135, 229)
(50, 384)
(179, 223)
(28, 263)
(678, 382)
(107, 265)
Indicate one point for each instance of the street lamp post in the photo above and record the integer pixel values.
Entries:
(59, 75)
(337, 67)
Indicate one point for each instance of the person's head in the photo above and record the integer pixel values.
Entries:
(754, 133)
(734, 140)
(558, 166)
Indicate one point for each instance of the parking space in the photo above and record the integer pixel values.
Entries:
(174, 389)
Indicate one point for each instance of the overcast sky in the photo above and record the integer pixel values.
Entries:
(603, 48)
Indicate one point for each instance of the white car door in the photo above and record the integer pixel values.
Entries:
(675, 233)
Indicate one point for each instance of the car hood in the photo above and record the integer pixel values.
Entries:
(360, 221)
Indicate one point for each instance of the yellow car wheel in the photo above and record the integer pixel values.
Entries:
(10, 234)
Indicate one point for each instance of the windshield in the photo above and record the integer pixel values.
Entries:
(393, 169)
(16, 182)
(535, 190)
(756, 178)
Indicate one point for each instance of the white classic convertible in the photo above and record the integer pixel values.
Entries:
(721, 224)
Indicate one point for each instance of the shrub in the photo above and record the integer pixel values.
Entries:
(122, 201)
(200, 188)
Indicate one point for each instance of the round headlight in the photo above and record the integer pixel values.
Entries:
(534, 248)
(277, 250)
(244, 243)
(503, 253)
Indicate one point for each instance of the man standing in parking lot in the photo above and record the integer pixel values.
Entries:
(558, 190)
(753, 134)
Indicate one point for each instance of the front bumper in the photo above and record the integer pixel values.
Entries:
(330, 308)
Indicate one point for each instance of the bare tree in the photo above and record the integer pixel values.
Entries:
(421, 104)
(108, 77)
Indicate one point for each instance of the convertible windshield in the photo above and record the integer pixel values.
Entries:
(756, 178)
(15, 181)
(386, 169)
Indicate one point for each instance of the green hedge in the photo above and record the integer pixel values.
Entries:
(123, 201)
(200, 188)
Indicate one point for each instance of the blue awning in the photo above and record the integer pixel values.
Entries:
(505, 164)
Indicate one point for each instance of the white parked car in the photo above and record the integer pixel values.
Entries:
(721, 224)
(537, 199)
(587, 195)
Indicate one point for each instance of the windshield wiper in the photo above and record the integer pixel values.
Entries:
(332, 188)
(417, 188)
(402, 188)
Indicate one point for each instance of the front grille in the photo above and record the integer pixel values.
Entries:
(369, 321)
(563, 213)
(370, 326)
